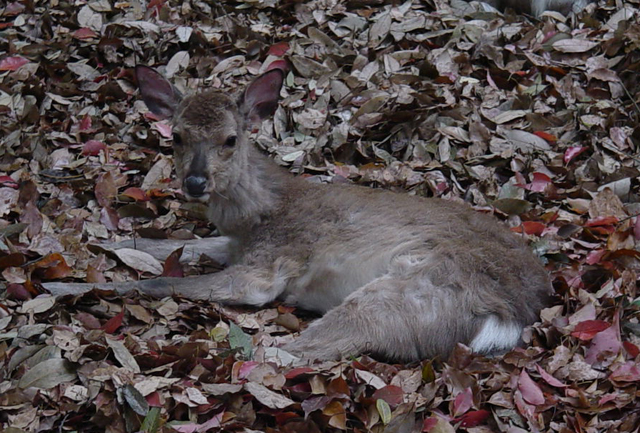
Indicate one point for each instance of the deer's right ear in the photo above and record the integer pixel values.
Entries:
(260, 99)
(158, 93)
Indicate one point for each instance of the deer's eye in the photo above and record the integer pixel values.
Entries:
(231, 141)
(177, 140)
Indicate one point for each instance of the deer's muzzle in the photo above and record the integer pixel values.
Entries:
(195, 185)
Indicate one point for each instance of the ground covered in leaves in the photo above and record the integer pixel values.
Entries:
(533, 120)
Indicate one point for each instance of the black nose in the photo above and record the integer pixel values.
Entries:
(195, 185)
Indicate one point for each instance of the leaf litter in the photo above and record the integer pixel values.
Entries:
(533, 120)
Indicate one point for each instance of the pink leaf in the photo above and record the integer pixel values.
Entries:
(605, 341)
(84, 33)
(93, 147)
(530, 390)
(549, 378)
(628, 372)
(163, 129)
(540, 182)
(463, 402)
(595, 256)
(636, 229)
(12, 63)
(572, 152)
(246, 368)
(85, 124)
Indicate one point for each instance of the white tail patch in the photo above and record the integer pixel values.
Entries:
(496, 336)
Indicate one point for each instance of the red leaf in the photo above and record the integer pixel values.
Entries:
(391, 394)
(601, 221)
(530, 227)
(114, 323)
(588, 329)
(473, 418)
(12, 260)
(155, 4)
(84, 33)
(12, 63)
(93, 147)
(8, 182)
(546, 136)
(153, 399)
(172, 266)
(572, 152)
(463, 402)
(52, 267)
(628, 372)
(549, 378)
(631, 349)
(338, 388)
(297, 372)
(278, 49)
(531, 392)
(136, 194)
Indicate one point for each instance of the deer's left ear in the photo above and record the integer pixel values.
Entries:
(260, 99)
(158, 93)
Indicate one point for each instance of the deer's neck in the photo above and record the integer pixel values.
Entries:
(255, 194)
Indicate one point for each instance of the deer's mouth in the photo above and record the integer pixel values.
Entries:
(204, 198)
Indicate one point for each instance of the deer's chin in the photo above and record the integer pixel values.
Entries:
(202, 199)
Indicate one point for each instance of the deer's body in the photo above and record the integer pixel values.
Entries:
(399, 276)
(402, 276)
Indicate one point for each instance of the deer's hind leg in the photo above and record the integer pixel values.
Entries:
(401, 319)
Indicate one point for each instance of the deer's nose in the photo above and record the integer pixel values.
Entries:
(195, 185)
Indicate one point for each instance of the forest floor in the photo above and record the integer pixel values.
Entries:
(534, 120)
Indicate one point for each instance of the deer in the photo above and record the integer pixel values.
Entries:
(400, 277)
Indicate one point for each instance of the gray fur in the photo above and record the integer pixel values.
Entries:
(399, 276)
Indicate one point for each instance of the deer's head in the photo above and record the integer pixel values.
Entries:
(209, 128)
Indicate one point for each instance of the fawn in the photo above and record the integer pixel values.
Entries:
(394, 275)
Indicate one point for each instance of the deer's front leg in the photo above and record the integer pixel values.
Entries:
(239, 284)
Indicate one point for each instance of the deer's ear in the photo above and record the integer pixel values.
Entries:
(260, 99)
(158, 93)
